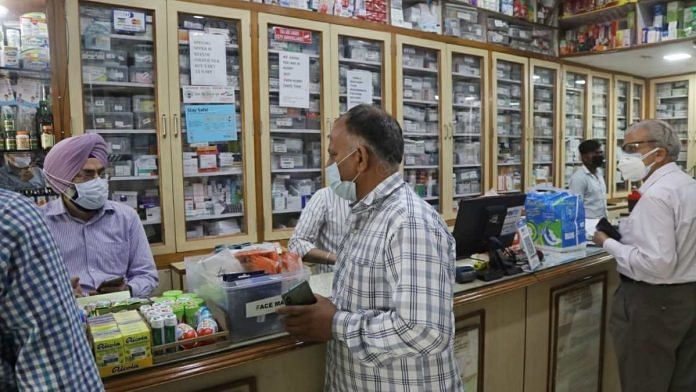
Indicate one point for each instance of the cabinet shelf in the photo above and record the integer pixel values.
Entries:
(467, 76)
(509, 109)
(118, 84)
(228, 46)
(604, 14)
(416, 167)
(292, 211)
(467, 165)
(510, 164)
(295, 170)
(672, 118)
(126, 37)
(545, 85)
(235, 172)
(151, 222)
(122, 131)
(370, 64)
(420, 134)
(420, 70)
(420, 102)
(462, 106)
(473, 194)
(196, 218)
(575, 90)
(543, 163)
(134, 178)
(502, 80)
(671, 97)
(466, 135)
(31, 73)
(430, 198)
(300, 131)
(543, 112)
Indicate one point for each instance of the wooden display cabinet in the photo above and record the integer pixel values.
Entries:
(600, 127)
(574, 121)
(544, 136)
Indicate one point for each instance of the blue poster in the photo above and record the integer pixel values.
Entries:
(211, 123)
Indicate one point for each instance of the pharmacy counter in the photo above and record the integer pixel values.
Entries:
(521, 325)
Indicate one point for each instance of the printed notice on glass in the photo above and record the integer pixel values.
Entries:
(128, 21)
(208, 94)
(359, 87)
(294, 80)
(207, 53)
(210, 123)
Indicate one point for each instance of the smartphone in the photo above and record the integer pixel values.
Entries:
(604, 226)
(117, 281)
(300, 294)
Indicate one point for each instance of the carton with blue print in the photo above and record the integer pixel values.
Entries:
(556, 220)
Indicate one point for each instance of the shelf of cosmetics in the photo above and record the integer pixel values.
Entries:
(478, 24)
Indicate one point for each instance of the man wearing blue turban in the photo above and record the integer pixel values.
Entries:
(103, 243)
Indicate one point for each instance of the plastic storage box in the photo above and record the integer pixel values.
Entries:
(144, 120)
(143, 103)
(108, 105)
(245, 302)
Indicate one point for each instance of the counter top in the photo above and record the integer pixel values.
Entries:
(554, 265)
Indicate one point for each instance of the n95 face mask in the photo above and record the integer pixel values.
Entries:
(633, 168)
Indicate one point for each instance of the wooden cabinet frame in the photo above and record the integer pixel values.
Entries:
(609, 165)
(586, 112)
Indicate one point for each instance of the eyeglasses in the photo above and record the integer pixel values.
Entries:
(630, 148)
(86, 175)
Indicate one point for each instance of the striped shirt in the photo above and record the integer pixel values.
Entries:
(42, 347)
(322, 225)
(394, 328)
(112, 244)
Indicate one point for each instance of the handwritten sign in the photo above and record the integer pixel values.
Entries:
(210, 123)
(207, 53)
(294, 80)
(208, 94)
(359, 87)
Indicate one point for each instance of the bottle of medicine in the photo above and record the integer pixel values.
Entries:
(23, 141)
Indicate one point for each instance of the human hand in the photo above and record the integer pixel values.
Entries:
(310, 323)
(76, 288)
(599, 237)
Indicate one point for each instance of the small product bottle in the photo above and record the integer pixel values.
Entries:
(22, 142)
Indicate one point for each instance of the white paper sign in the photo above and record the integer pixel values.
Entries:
(207, 53)
(528, 244)
(294, 80)
(208, 94)
(359, 87)
(264, 306)
(129, 21)
(510, 223)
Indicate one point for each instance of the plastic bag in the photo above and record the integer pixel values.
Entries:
(556, 219)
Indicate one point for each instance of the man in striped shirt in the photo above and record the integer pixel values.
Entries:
(103, 243)
(390, 326)
(320, 230)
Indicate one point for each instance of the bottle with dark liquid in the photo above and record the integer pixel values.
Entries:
(44, 125)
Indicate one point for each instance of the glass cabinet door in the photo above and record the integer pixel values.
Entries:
(362, 61)
(672, 106)
(293, 65)
(544, 120)
(466, 132)
(575, 87)
(600, 116)
(623, 97)
(509, 118)
(420, 115)
(26, 107)
(211, 131)
(637, 103)
(124, 100)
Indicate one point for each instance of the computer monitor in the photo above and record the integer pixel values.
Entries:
(479, 227)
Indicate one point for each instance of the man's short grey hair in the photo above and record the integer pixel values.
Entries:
(663, 135)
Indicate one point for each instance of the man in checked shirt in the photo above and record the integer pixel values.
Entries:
(389, 324)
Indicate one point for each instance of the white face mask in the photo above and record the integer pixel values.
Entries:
(22, 162)
(344, 189)
(91, 195)
(633, 168)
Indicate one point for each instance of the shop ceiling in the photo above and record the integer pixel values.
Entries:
(647, 62)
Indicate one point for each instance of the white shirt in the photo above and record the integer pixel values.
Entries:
(658, 243)
(592, 189)
(322, 225)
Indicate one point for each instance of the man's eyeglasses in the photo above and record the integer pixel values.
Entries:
(631, 148)
(90, 175)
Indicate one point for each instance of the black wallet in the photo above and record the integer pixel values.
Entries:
(604, 226)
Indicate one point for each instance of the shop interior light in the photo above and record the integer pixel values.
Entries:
(535, 77)
(580, 81)
(677, 56)
(197, 16)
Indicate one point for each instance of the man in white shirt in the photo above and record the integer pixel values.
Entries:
(653, 319)
(320, 230)
(588, 182)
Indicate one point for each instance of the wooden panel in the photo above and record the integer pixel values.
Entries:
(503, 340)
(538, 328)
